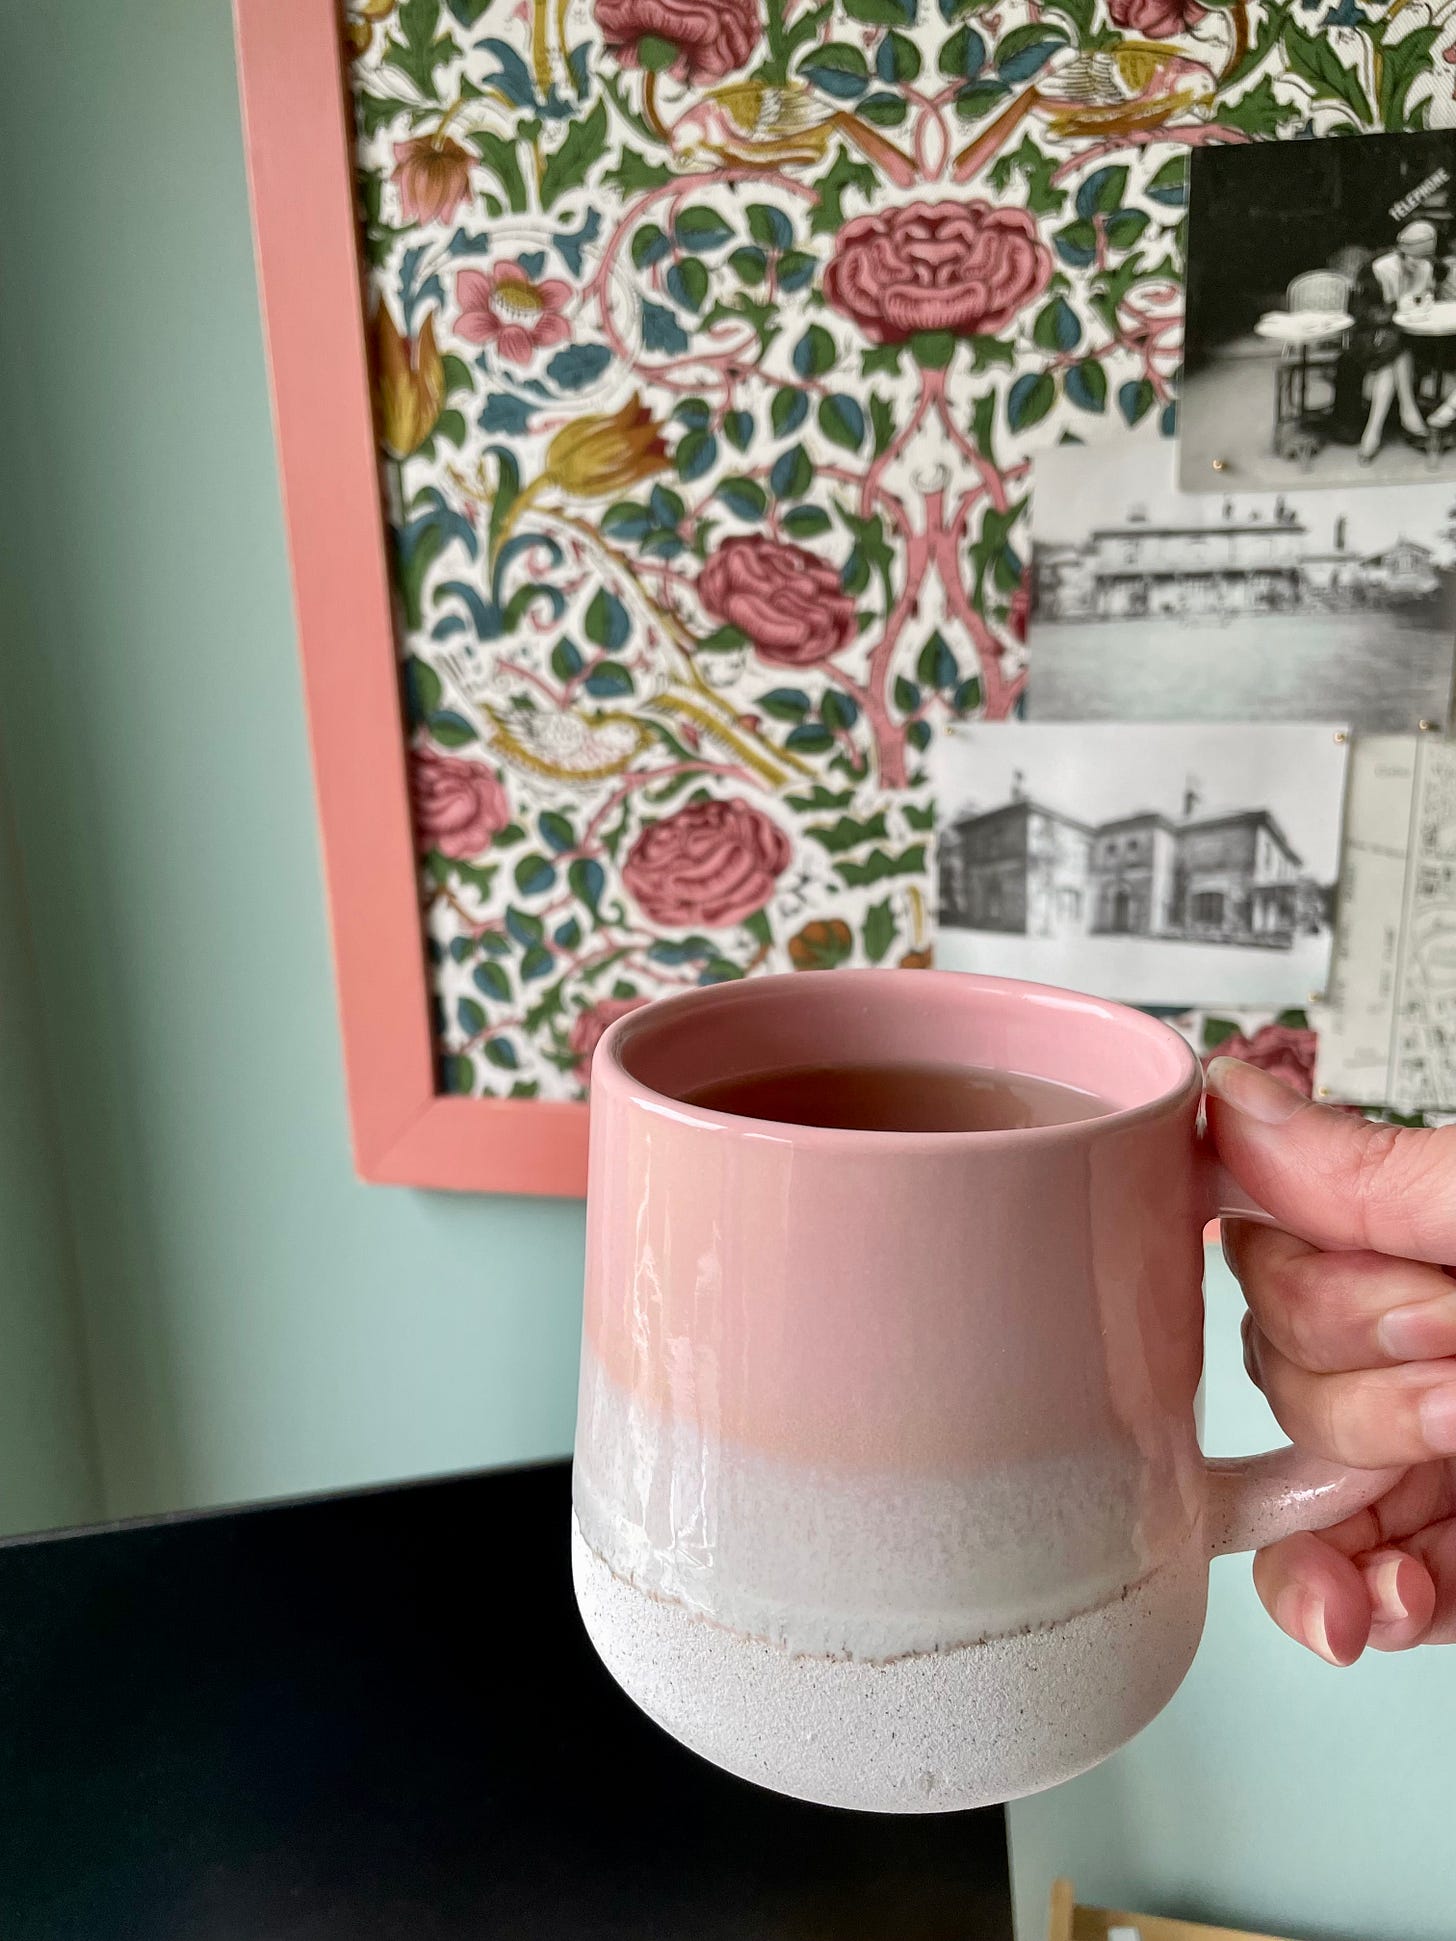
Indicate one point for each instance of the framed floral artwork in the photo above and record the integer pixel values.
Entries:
(658, 386)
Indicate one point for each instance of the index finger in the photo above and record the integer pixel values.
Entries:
(1334, 1178)
(1426, 1494)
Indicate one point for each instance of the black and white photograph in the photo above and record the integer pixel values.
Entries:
(1158, 864)
(1152, 604)
(1321, 320)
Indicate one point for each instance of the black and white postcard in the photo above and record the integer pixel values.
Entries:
(1157, 605)
(1162, 865)
(1321, 323)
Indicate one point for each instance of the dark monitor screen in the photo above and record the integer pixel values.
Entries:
(378, 1716)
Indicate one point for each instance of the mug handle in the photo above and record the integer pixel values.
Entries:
(1256, 1500)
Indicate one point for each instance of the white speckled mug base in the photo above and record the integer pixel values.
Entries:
(930, 1732)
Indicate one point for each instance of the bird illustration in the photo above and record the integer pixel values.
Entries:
(573, 749)
(1132, 89)
(749, 124)
(580, 748)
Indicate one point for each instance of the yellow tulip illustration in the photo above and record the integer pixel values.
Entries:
(599, 456)
(410, 380)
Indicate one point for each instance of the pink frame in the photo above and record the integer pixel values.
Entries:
(298, 140)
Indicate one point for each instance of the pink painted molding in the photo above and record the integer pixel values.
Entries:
(298, 144)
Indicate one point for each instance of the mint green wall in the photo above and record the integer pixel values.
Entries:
(48, 1473)
(257, 1322)
(1275, 1792)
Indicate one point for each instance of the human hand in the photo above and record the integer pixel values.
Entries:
(1351, 1334)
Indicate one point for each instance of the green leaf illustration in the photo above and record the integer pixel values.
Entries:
(1086, 385)
(607, 623)
(1316, 59)
(881, 864)
(842, 421)
(567, 166)
(788, 411)
(1259, 113)
(499, 155)
(879, 930)
(839, 70)
(847, 833)
(701, 228)
(845, 173)
(785, 703)
(1029, 400)
(745, 498)
(1057, 326)
(416, 49)
(492, 978)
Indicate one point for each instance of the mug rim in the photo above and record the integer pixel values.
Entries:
(612, 1077)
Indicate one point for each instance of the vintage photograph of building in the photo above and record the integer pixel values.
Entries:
(1153, 604)
(1140, 862)
(1321, 313)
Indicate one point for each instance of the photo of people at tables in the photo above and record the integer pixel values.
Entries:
(1321, 326)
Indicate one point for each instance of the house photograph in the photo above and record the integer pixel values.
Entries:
(1141, 862)
(1158, 605)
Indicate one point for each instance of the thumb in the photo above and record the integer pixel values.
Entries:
(1334, 1178)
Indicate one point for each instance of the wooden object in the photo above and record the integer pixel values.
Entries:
(1071, 1922)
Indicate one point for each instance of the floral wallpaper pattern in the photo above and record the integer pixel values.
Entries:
(1284, 1043)
(715, 341)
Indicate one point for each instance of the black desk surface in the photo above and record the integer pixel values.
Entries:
(377, 1716)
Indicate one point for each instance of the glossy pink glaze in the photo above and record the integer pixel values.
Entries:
(915, 1303)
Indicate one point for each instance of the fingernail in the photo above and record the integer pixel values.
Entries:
(1420, 1331)
(1301, 1614)
(1382, 1580)
(1314, 1631)
(1251, 1350)
(1289, 1612)
(1252, 1092)
(1230, 1232)
(1438, 1419)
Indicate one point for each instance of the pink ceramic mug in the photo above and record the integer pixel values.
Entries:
(888, 1491)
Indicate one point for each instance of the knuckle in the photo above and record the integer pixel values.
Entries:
(1335, 1427)
(1379, 1166)
(1292, 1299)
(1307, 1321)
(1403, 1178)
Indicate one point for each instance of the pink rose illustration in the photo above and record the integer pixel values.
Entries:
(961, 267)
(1158, 19)
(588, 1025)
(790, 604)
(1285, 1050)
(432, 174)
(504, 306)
(713, 37)
(712, 863)
(458, 805)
